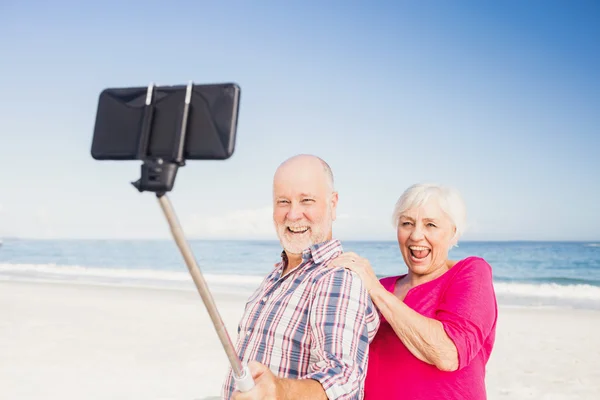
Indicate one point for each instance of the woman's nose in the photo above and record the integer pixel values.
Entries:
(416, 234)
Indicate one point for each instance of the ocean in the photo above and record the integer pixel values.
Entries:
(542, 274)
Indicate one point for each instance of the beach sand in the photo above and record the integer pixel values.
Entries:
(70, 341)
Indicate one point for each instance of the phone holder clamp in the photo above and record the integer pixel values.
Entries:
(157, 174)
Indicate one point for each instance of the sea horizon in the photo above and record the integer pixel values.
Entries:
(536, 273)
(213, 239)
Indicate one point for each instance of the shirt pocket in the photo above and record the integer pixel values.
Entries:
(247, 316)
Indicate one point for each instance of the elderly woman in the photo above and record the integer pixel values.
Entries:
(438, 321)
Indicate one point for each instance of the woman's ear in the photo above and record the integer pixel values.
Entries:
(454, 239)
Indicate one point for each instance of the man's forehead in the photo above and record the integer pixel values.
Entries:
(292, 193)
(300, 182)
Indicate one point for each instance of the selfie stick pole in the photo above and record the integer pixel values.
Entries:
(159, 176)
(241, 374)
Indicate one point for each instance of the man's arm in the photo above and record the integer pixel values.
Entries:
(268, 386)
(305, 389)
(343, 322)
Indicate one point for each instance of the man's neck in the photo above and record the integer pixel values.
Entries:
(293, 260)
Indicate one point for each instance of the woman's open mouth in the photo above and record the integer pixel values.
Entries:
(419, 252)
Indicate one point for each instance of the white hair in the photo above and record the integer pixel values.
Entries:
(448, 199)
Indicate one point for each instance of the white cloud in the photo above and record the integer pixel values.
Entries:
(258, 224)
(44, 223)
(355, 226)
(246, 224)
(35, 223)
(42, 216)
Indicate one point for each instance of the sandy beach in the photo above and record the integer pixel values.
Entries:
(71, 341)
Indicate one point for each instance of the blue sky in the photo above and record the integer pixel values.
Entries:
(499, 100)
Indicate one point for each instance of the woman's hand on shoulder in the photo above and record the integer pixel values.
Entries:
(360, 265)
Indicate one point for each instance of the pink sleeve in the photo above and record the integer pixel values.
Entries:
(468, 309)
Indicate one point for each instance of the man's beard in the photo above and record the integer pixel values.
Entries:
(316, 233)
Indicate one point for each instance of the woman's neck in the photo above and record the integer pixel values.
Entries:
(413, 279)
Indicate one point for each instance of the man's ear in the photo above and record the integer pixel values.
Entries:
(334, 202)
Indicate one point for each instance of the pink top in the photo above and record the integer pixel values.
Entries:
(463, 299)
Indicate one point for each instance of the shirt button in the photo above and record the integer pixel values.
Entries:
(247, 333)
(264, 300)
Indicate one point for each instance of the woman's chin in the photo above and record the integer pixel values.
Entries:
(419, 261)
(419, 266)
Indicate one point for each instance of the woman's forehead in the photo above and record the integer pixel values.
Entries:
(429, 210)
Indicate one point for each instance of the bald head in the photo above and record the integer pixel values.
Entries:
(310, 164)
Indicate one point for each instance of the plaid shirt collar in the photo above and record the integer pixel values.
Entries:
(318, 253)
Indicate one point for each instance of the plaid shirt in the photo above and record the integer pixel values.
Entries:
(313, 323)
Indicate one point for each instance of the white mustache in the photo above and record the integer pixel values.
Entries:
(296, 225)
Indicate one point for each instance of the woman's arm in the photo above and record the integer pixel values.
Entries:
(464, 318)
(424, 337)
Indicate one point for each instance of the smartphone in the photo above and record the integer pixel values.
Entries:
(154, 115)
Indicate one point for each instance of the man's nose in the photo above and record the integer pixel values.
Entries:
(295, 212)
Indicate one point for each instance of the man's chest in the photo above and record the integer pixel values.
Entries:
(277, 317)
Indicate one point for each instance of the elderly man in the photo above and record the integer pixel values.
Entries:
(305, 332)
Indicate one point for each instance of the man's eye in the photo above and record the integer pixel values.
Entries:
(307, 200)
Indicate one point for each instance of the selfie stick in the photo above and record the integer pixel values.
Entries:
(158, 176)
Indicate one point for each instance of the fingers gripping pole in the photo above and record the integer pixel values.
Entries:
(241, 374)
(244, 382)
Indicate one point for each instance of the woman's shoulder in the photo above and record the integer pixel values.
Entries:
(475, 261)
(473, 265)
